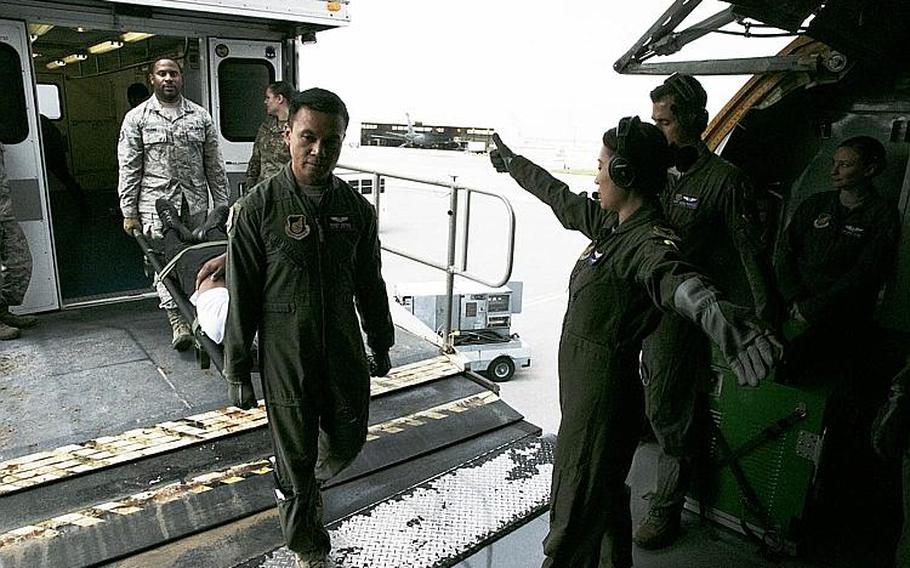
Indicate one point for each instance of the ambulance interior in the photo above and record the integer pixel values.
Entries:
(83, 77)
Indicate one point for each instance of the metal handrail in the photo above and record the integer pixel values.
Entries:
(449, 268)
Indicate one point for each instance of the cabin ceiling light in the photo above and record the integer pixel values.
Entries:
(105, 46)
(131, 37)
(37, 30)
(75, 58)
(56, 64)
(81, 29)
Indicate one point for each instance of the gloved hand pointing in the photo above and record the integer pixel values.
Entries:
(501, 155)
(380, 364)
(240, 391)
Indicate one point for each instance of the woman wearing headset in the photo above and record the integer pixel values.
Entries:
(631, 267)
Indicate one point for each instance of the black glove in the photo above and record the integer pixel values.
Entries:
(500, 156)
(380, 364)
(892, 424)
(750, 350)
(240, 392)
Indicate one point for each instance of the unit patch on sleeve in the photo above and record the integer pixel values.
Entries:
(232, 216)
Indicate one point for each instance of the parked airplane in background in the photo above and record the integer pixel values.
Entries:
(419, 137)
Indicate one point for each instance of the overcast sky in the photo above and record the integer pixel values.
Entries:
(529, 68)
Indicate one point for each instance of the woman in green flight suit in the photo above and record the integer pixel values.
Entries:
(631, 268)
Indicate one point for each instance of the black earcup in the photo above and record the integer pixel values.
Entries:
(622, 172)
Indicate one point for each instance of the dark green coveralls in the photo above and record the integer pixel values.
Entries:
(711, 206)
(294, 271)
(832, 262)
(613, 290)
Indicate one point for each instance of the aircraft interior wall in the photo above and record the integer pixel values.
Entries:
(787, 149)
(95, 258)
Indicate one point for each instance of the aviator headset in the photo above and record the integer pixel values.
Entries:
(621, 169)
(690, 100)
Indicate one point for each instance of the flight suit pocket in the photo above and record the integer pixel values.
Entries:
(278, 307)
(277, 318)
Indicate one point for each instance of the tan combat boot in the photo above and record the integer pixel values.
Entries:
(12, 320)
(659, 528)
(182, 337)
(8, 332)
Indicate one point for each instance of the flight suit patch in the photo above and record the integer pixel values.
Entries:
(685, 201)
(232, 216)
(853, 231)
(591, 255)
(822, 221)
(339, 223)
(666, 236)
(296, 227)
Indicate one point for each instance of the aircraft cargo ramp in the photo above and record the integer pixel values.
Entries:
(117, 449)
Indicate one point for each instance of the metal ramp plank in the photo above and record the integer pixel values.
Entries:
(107, 514)
(444, 519)
(249, 540)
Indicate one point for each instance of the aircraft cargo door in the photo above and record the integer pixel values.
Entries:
(19, 135)
(240, 71)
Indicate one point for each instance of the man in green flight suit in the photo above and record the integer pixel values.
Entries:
(303, 251)
(711, 205)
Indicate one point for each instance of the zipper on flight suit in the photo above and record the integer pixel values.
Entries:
(303, 202)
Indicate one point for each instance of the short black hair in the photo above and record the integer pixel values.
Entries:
(871, 152)
(165, 58)
(689, 101)
(647, 150)
(320, 100)
(282, 88)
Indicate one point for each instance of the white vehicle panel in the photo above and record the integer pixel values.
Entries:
(332, 13)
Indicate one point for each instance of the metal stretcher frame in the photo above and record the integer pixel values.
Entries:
(211, 351)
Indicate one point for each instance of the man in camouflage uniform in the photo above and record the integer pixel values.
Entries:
(168, 150)
(270, 151)
(712, 207)
(15, 263)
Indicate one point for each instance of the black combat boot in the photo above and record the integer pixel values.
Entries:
(215, 221)
(170, 220)
(12, 320)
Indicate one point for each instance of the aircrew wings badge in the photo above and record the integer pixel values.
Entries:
(296, 227)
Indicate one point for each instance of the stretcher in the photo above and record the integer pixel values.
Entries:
(207, 351)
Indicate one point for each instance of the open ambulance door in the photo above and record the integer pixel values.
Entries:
(19, 135)
(240, 71)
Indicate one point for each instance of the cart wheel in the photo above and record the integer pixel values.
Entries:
(501, 369)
